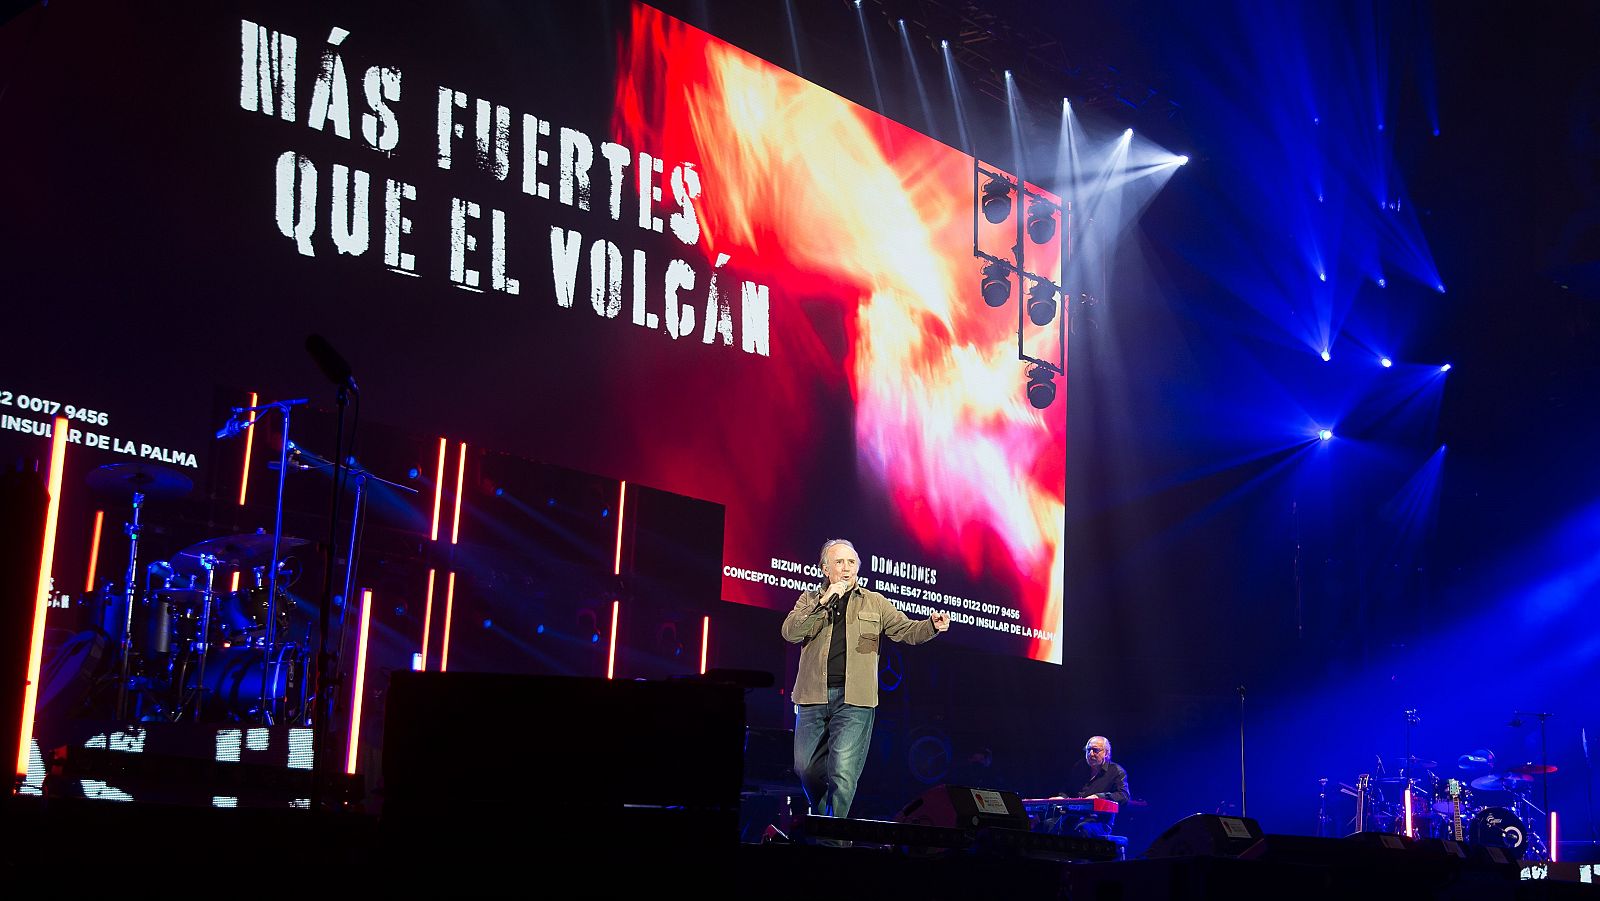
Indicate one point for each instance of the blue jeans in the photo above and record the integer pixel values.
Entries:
(830, 747)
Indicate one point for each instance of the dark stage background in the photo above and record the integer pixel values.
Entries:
(1437, 554)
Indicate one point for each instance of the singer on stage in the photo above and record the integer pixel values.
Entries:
(839, 626)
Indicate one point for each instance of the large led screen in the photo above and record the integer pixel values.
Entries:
(588, 234)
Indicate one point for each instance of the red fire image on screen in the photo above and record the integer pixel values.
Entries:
(864, 229)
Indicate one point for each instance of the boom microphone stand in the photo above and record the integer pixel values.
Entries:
(233, 427)
(356, 474)
(1544, 754)
(338, 371)
(1244, 809)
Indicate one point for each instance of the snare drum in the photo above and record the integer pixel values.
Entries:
(1497, 827)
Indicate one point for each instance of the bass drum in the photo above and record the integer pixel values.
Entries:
(1497, 827)
(235, 675)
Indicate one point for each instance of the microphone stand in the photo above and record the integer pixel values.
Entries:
(358, 523)
(1544, 760)
(126, 649)
(353, 472)
(1588, 785)
(234, 426)
(1244, 808)
(1411, 720)
(321, 690)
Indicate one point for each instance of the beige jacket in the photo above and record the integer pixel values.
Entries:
(868, 616)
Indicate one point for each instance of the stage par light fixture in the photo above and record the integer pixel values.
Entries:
(996, 284)
(996, 200)
(1042, 303)
(1041, 386)
(1041, 220)
(1325, 434)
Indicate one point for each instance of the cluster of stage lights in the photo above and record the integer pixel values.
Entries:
(996, 204)
(1385, 362)
(995, 285)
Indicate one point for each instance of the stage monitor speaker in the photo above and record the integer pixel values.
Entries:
(1378, 848)
(964, 807)
(568, 758)
(1206, 835)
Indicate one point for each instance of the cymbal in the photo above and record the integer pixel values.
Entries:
(149, 479)
(1501, 782)
(246, 550)
(1532, 769)
(1417, 763)
(1478, 761)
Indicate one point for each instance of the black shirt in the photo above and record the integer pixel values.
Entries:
(1109, 781)
(836, 612)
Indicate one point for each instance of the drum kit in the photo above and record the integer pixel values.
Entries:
(209, 632)
(1474, 801)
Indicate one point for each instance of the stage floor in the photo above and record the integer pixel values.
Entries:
(80, 846)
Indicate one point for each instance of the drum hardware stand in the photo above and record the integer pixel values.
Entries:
(1322, 806)
(1537, 848)
(133, 529)
(233, 427)
(1544, 762)
(202, 645)
(1411, 720)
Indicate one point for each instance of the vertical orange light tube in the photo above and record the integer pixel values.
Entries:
(705, 642)
(611, 654)
(41, 604)
(249, 442)
(94, 551)
(360, 686)
(1409, 832)
(1554, 838)
(461, 472)
(449, 609)
(438, 492)
(427, 621)
(233, 584)
(622, 500)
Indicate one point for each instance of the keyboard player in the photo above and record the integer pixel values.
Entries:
(1097, 777)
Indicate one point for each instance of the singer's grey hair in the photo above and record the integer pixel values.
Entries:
(823, 555)
(1101, 739)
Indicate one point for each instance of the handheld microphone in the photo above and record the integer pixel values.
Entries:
(232, 427)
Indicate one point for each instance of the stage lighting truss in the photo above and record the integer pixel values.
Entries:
(992, 196)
